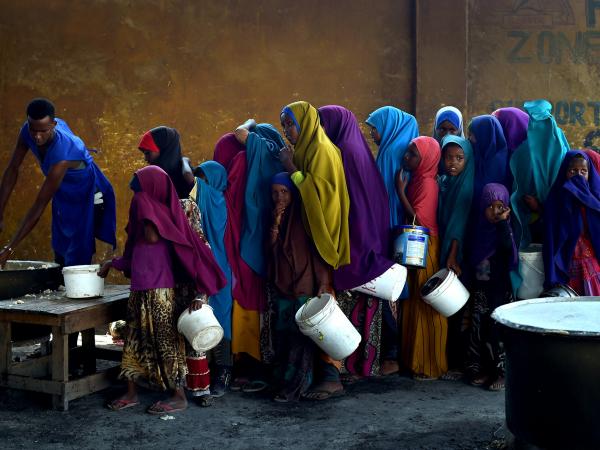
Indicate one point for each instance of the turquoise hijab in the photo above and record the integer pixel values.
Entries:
(262, 155)
(211, 202)
(456, 195)
(535, 164)
(396, 129)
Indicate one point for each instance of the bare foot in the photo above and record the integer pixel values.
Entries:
(389, 367)
(497, 384)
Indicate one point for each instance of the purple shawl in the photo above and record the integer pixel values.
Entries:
(563, 219)
(514, 125)
(486, 234)
(369, 216)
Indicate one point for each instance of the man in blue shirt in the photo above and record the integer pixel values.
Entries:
(83, 201)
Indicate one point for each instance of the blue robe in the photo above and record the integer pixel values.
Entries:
(75, 222)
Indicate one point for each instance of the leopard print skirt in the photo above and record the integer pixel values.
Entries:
(154, 351)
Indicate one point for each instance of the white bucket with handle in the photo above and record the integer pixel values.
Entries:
(531, 269)
(387, 286)
(83, 281)
(445, 293)
(201, 328)
(322, 320)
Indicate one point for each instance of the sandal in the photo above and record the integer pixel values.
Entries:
(204, 401)
(160, 408)
(121, 403)
(452, 375)
(421, 377)
(255, 386)
(479, 380)
(320, 395)
(238, 384)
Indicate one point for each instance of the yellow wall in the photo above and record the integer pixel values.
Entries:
(537, 49)
(117, 68)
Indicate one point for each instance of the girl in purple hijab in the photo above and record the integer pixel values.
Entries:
(494, 255)
(514, 125)
(369, 222)
(572, 226)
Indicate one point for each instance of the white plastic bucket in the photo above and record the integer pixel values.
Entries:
(201, 328)
(322, 320)
(445, 293)
(531, 269)
(83, 281)
(410, 247)
(388, 285)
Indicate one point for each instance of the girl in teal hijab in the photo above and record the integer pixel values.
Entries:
(534, 165)
(392, 130)
(456, 193)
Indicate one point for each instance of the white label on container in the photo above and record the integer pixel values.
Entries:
(415, 250)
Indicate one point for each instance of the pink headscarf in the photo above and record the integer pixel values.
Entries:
(422, 190)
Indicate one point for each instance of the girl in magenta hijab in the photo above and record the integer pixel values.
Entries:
(572, 226)
(369, 222)
(494, 256)
(161, 250)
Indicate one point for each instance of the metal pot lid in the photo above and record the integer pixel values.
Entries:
(565, 316)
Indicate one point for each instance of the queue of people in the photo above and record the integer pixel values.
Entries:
(264, 226)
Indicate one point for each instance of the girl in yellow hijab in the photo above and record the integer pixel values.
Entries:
(315, 165)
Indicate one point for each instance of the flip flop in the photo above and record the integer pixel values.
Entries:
(159, 408)
(121, 403)
(255, 386)
(323, 395)
(421, 377)
(238, 384)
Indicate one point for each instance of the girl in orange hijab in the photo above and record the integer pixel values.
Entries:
(424, 330)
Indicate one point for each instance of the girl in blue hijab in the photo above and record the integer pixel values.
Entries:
(211, 182)
(491, 154)
(263, 143)
(392, 130)
(572, 226)
(448, 121)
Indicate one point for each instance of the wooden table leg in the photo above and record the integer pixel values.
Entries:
(60, 366)
(88, 341)
(5, 348)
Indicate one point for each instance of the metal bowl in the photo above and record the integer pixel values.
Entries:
(19, 278)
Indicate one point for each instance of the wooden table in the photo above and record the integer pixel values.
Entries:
(50, 374)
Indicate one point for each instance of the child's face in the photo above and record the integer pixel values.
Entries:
(281, 195)
(412, 158)
(445, 128)
(454, 160)
(494, 211)
(375, 135)
(577, 166)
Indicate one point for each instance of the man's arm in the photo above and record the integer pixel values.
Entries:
(9, 179)
(47, 191)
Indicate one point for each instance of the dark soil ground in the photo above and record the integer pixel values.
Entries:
(392, 412)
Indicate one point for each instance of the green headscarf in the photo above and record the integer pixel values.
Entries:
(456, 194)
(325, 200)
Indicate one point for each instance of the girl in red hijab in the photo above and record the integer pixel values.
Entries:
(424, 330)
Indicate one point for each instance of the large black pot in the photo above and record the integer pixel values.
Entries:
(19, 278)
(553, 370)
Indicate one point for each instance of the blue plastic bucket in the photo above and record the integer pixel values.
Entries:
(411, 246)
